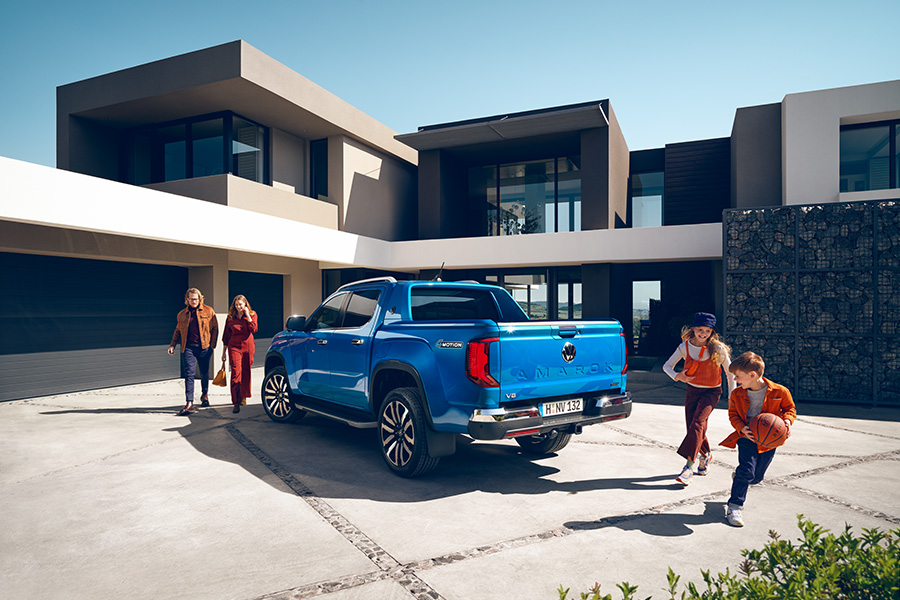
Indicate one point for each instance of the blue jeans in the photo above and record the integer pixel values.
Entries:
(190, 358)
(751, 469)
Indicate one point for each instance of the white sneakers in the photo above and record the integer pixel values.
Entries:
(734, 516)
(685, 477)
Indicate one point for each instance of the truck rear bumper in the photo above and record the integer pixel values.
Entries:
(500, 423)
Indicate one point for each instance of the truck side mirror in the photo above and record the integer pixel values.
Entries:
(295, 323)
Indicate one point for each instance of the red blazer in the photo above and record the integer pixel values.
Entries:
(238, 334)
(778, 401)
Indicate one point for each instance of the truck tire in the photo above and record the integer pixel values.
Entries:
(402, 436)
(540, 444)
(276, 397)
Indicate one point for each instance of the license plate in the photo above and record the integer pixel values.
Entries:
(562, 407)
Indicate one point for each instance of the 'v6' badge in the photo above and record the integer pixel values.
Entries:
(568, 352)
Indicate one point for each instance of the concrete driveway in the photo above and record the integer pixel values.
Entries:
(108, 494)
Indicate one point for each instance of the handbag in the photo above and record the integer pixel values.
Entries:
(220, 377)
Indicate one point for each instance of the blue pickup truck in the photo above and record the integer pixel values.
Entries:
(426, 361)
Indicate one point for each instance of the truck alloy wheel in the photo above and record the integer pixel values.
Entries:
(276, 397)
(402, 436)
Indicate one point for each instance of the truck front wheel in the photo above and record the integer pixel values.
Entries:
(543, 444)
(402, 436)
(276, 397)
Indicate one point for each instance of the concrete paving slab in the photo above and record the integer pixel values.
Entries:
(165, 521)
(41, 438)
(639, 550)
(108, 493)
(873, 485)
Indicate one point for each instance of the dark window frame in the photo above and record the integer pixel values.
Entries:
(893, 126)
(157, 174)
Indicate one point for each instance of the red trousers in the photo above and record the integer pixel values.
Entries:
(240, 374)
(698, 405)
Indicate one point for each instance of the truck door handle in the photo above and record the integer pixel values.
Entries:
(321, 342)
(357, 341)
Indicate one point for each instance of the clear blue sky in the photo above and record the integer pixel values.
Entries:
(674, 71)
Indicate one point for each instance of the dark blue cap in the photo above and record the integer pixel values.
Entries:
(704, 320)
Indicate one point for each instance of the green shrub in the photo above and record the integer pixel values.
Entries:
(821, 566)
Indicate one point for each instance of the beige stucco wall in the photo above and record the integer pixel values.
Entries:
(375, 193)
(238, 192)
(811, 147)
(288, 158)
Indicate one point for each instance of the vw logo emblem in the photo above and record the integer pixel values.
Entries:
(568, 352)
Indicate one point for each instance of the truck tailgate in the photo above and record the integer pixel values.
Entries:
(553, 359)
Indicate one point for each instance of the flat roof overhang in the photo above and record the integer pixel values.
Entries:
(554, 122)
(233, 76)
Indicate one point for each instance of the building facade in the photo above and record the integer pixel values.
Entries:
(224, 170)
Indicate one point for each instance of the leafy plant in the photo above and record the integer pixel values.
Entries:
(821, 566)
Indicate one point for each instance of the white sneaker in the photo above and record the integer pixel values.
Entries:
(734, 516)
(703, 464)
(685, 477)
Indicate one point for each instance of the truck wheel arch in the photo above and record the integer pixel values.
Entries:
(392, 374)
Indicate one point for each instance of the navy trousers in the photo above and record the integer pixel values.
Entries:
(751, 469)
(190, 359)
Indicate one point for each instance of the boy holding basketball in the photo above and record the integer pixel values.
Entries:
(753, 395)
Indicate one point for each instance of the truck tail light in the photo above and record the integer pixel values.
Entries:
(478, 362)
(625, 350)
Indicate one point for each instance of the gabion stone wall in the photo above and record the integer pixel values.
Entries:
(815, 291)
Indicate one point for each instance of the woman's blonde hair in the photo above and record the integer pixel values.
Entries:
(718, 350)
(232, 311)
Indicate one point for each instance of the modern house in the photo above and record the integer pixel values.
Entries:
(224, 170)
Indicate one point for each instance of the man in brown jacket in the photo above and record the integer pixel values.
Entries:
(198, 331)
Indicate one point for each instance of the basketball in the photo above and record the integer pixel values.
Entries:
(769, 430)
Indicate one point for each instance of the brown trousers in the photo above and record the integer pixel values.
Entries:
(698, 405)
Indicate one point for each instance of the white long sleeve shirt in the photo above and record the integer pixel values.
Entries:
(678, 355)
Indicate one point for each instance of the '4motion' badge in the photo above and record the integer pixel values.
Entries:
(568, 352)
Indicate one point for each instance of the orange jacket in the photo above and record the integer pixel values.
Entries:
(209, 327)
(778, 401)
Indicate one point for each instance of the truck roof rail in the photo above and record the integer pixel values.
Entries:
(388, 279)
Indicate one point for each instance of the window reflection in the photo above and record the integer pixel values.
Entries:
(647, 199)
(206, 138)
(541, 196)
(865, 159)
(247, 149)
(530, 293)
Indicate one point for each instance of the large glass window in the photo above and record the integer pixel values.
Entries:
(647, 199)
(642, 293)
(172, 143)
(247, 149)
(569, 194)
(869, 158)
(541, 196)
(207, 143)
(195, 147)
(318, 169)
(530, 293)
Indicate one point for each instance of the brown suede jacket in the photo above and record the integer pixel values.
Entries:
(209, 327)
(778, 401)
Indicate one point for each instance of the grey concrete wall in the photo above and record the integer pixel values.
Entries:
(378, 193)
(756, 157)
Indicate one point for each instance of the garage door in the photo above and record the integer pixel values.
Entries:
(73, 324)
(265, 293)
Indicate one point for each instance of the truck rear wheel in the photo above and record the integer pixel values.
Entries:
(276, 397)
(402, 435)
(543, 444)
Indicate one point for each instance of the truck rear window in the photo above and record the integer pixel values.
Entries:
(448, 304)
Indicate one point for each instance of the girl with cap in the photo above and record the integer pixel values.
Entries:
(705, 357)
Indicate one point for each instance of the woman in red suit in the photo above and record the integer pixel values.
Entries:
(237, 342)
